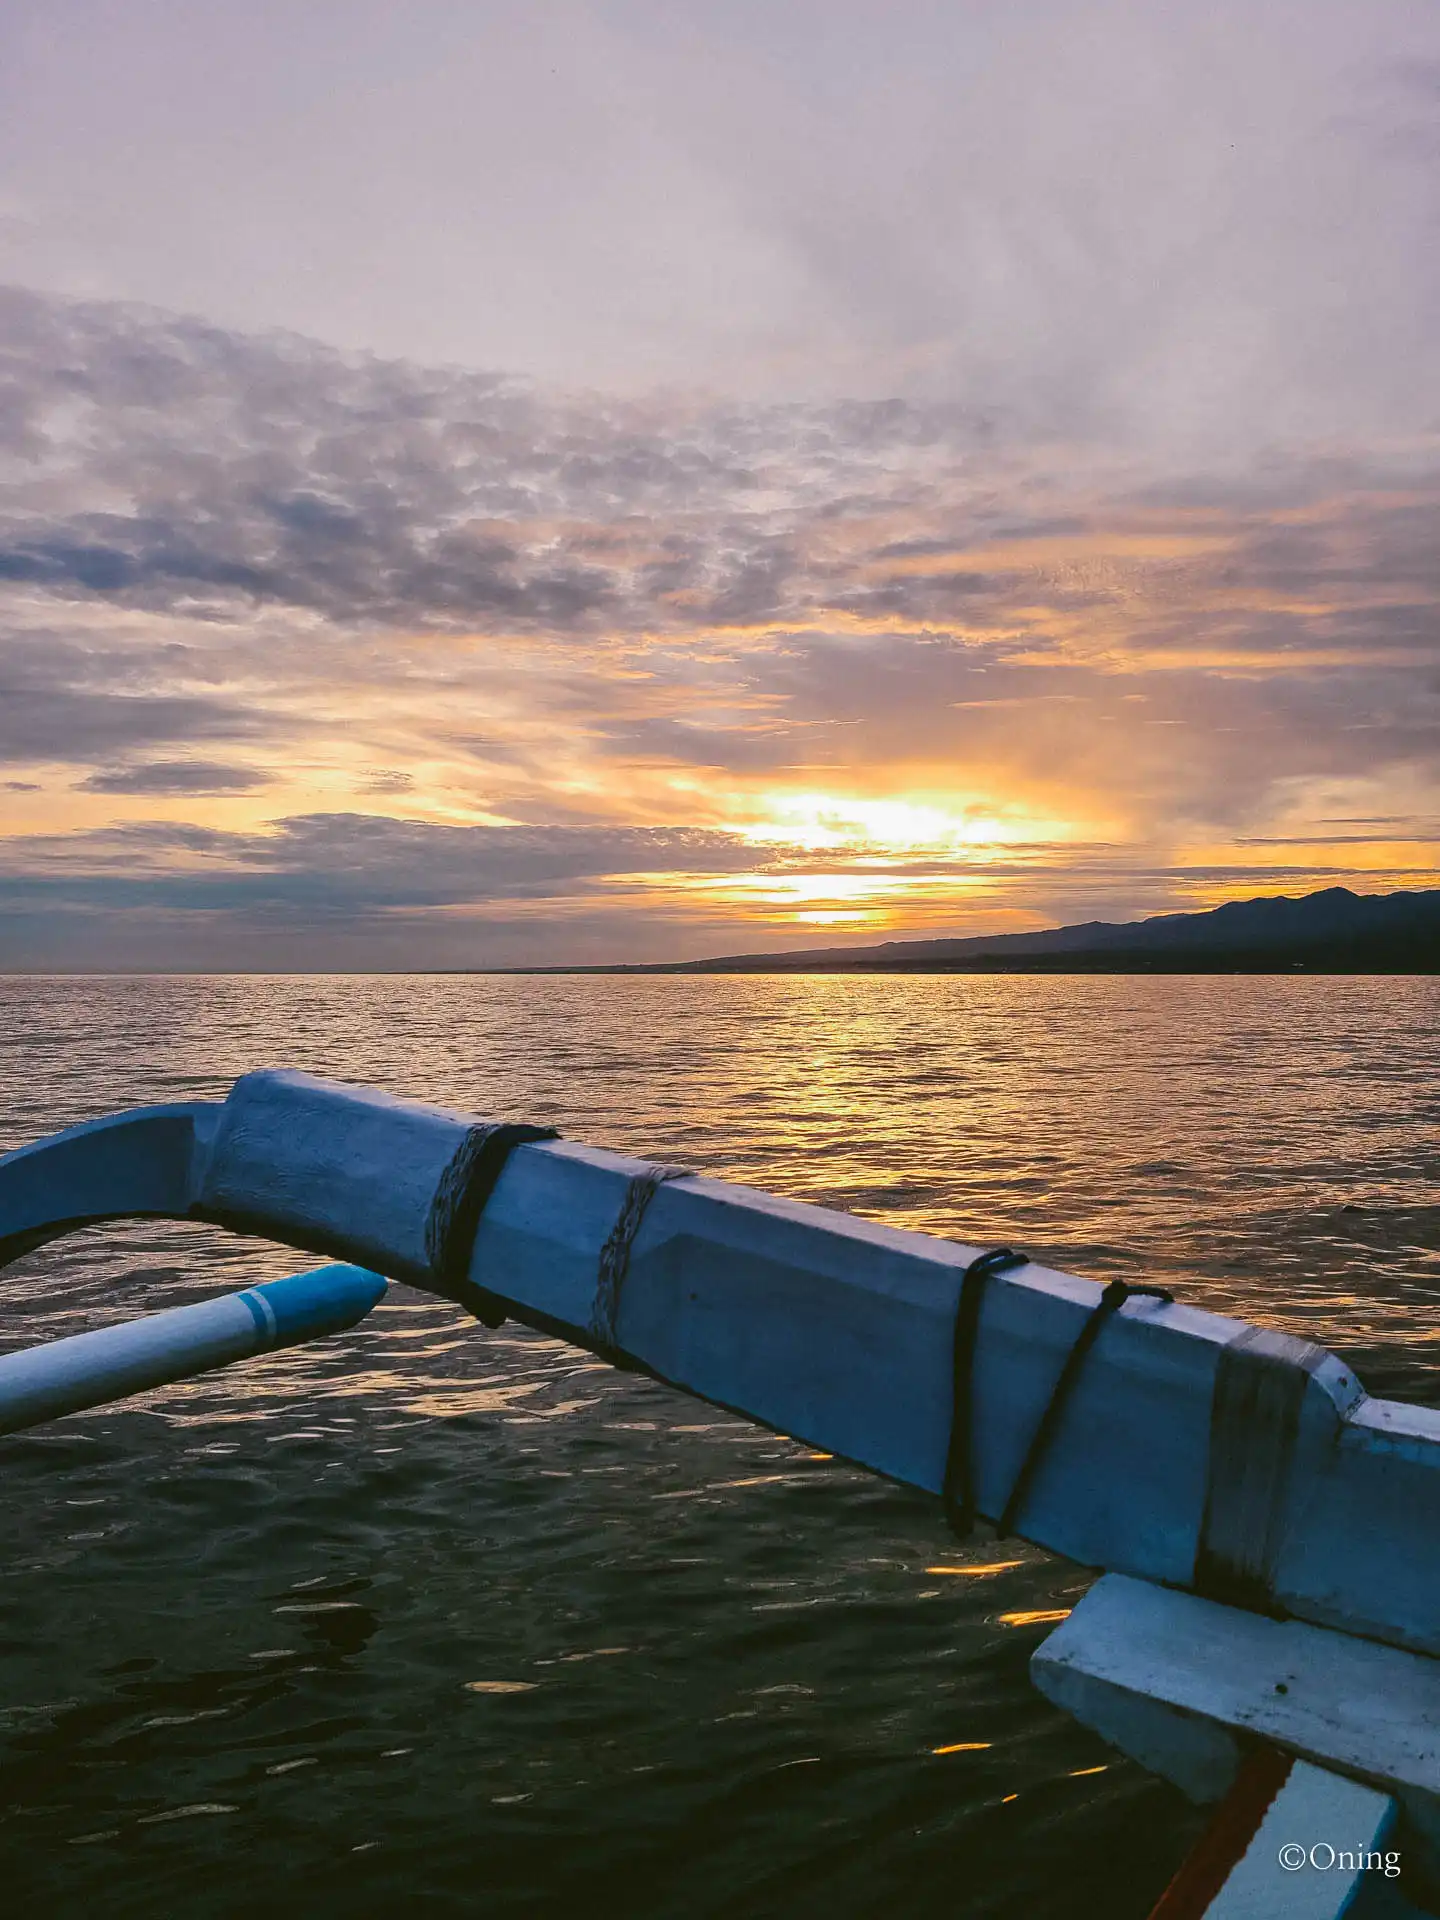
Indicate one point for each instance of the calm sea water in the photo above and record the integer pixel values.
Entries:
(428, 1619)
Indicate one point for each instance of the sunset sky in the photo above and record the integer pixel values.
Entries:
(528, 483)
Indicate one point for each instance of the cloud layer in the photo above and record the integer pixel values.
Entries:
(345, 657)
(1207, 224)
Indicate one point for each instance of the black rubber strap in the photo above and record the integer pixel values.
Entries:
(1111, 1301)
(454, 1219)
(958, 1491)
(959, 1485)
(1261, 1379)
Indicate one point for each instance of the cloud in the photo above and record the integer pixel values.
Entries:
(354, 863)
(84, 695)
(1210, 222)
(193, 777)
(74, 724)
(275, 473)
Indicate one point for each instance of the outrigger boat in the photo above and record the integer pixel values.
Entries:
(1265, 1630)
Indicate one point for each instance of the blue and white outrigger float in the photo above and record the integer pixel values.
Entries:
(1266, 1630)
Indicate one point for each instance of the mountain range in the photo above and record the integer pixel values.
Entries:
(1334, 931)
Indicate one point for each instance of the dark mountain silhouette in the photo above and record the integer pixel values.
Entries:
(1336, 931)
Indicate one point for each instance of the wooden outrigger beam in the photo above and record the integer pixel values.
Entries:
(1195, 1452)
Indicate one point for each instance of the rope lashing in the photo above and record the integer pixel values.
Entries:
(959, 1484)
(454, 1218)
(615, 1254)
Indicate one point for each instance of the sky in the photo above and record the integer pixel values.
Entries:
(506, 484)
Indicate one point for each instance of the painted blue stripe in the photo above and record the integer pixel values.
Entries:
(322, 1301)
(265, 1324)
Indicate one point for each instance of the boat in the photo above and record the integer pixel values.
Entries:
(1264, 1631)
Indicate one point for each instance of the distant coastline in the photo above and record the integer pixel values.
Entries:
(1366, 960)
(1334, 931)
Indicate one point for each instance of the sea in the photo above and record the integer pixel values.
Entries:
(430, 1620)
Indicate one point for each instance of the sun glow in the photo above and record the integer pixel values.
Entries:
(793, 889)
(873, 864)
(830, 820)
(860, 897)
